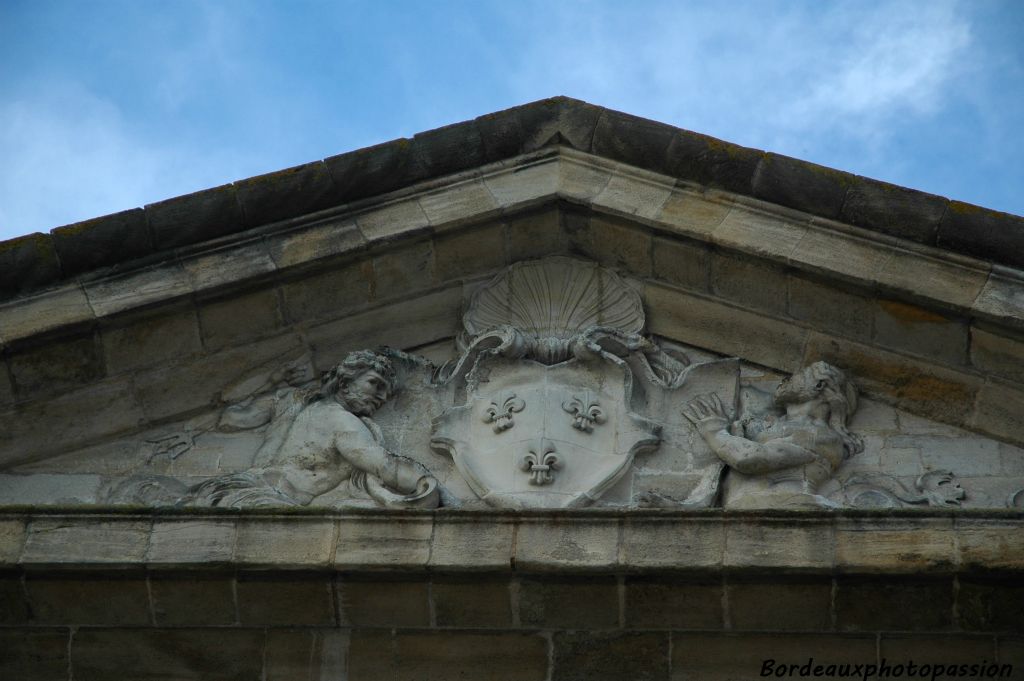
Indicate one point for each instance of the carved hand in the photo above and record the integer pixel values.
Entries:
(707, 414)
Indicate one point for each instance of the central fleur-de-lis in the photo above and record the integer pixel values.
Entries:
(501, 416)
(541, 467)
(585, 410)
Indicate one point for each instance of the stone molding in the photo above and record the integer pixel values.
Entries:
(593, 541)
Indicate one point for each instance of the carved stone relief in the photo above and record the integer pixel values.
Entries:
(555, 398)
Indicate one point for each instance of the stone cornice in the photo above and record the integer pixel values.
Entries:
(150, 234)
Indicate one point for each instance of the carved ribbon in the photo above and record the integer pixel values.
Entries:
(501, 416)
(585, 410)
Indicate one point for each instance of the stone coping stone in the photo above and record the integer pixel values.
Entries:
(130, 235)
(603, 541)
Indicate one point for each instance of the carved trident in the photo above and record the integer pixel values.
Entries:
(501, 416)
(541, 467)
(585, 411)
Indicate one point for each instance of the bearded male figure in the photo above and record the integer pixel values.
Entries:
(782, 459)
(317, 439)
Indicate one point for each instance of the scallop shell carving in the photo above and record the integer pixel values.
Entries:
(555, 298)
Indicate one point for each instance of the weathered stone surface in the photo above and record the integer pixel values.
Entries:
(434, 656)
(330, 294)
(383, 603)
(989, 605)
(1002, 299)
(464, 544)
(571, 543)
(712, 162)
(909, 328)
(693, 214)
(581, 656)
(27, 263)
(633, 140)
(797, 546)
(234, 320)
(525, 185)
(158, 284)
(374, 170)
(983, 233)
(998, 354)
(749, 283)
(195, 599)
(469, 252)
(81, 599)
(828, 308)
(14, 608)
(448, 149)
(403, 218)
(12, 539)
(57, 366)
(101, 542)
(151, 340)
(195, 217)
(309, 244)
(681, 263)
(895, 210)
(911, 547)
(655, 543)
(826, 251)
(894, 604)
(63, 308)
(183, 541)
(760, 233)
(286, 193)
(102, 241)
(282, 544)
(990, 545)
(314, 654)
(49, 489)
(227, 267)
(289, 599)
(536, 235)
(936, 650)
(948, 282)
(629, 193)
(673, 603)
(580, 180)
(795, 604)
(383, 543)
(802, 185)
(998, 412)
(569, 603)
(455, 205)
(217, 654)
(472, 602)
(37, 654)
(612, 243)
(403, 271)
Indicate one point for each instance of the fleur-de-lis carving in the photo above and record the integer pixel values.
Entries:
(541, 466)
(501, 409)
(585, 410)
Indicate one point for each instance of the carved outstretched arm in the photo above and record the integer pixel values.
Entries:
(360, 449)
(709, 416)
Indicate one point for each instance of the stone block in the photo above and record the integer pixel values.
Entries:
(286, 193)
(759, 233)
(1002, 300)
(586, 656)
(805, 186)
(998, 412)
(216, 654)
(14, 608)
(681, 263)
(908, 328)
(285, 544)
(426, 319)
(895, 210)
(610, 242)
(374, 170)
(918, 387)
(308, 244)
(107, 543)
(389, 543)
(724, 657)
(526, 185)
(729, 330)
(383, 603)
(57, 366)
(628, 193)
(947, 282)
(967, 456)
(476, 250)
(107, 240)
(235, 320)
(990, 544)
(47, 489)
(832, 254)
(830, 309)
(914, 546)
(749, 283)
(371, 655)
(958, 649)
(26, 317)
(1012, 459)
(328, 294)
(314, 654)
(457, 204)
(403, 218)
(472, 602)
(27, 263)
(633, 140)
(448, 149)
(464, 544)
(803, 603)
(712, 162)
(580, 181)
(673, 544)
(999, 354)
(6, 386)
(34, 654)
(195, 217)
(151, 340)
(290, 599)
(891, 603)
(158, 284)
(194, 599)
(87, 599)
(788, 545)
(693, 214)
(536, 235)
(990, 605)
(562, 120)
(987, 234)
(228, 267)
(673, 603)
(12, 539)
(402, 272)
(437, 656)
(569, 543)
(569, 603)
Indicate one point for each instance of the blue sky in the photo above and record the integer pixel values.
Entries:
(108, 105)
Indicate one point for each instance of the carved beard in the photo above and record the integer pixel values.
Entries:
(358, 403)
(787, 393)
